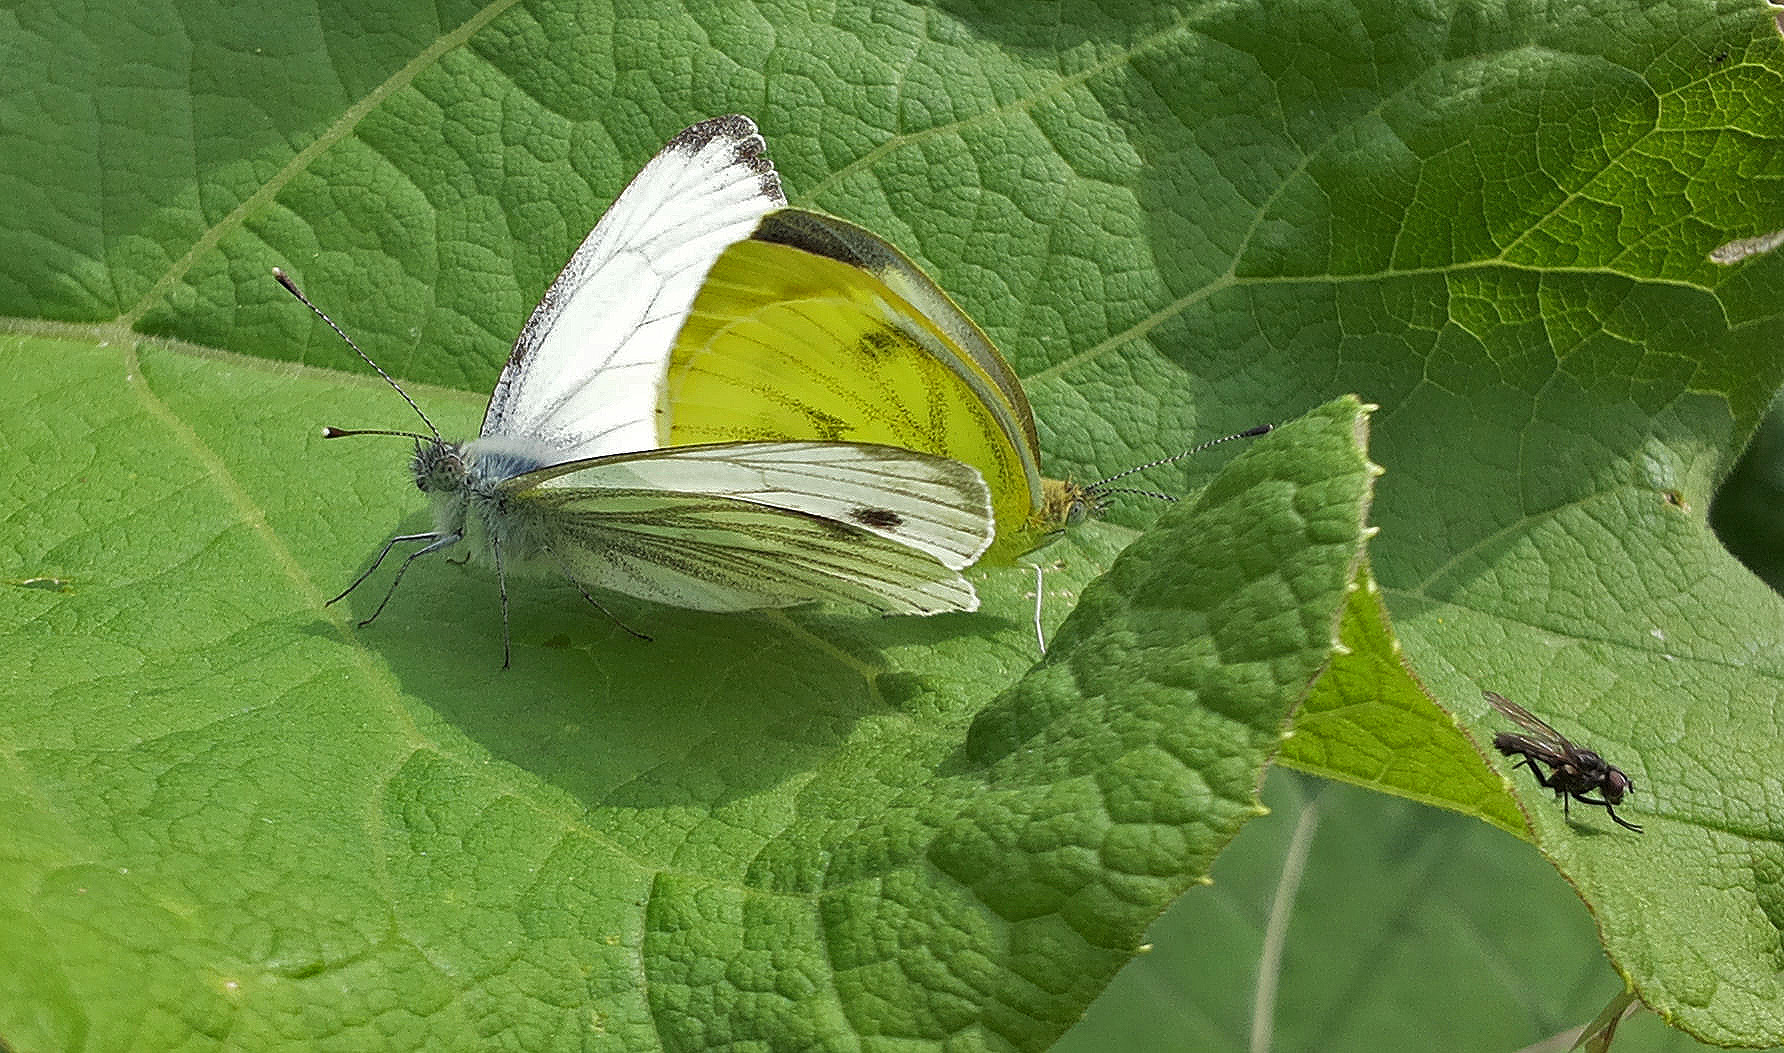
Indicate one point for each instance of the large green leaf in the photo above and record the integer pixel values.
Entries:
(237, 820)
(1447, 936)
(1494, 221)
(1749, 510)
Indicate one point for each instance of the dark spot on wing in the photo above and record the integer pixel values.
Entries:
(880, 518)
(881, 341)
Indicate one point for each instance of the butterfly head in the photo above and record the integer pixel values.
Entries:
(1065, 503)
(438, 467)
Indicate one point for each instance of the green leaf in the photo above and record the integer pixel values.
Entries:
(236, 819)
(293, 834)
(1447, 936)
(1746, 514)
(1369, 721)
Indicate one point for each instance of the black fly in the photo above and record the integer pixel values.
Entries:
(1574, 771)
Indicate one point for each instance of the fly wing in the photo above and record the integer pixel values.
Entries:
(1548, 737)
(932, 504)
(585, 375)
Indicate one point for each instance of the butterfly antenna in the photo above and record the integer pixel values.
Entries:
(334, 433)
(1137, 493)
(1100, 486)
(329, 431)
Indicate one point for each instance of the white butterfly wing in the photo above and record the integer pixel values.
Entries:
(585, 376)
(929, 503)
(737, 526)
(715, 554)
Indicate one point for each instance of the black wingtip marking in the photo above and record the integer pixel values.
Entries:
(750, 149)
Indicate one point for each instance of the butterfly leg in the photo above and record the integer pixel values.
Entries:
(495, 547)
(596, 604)
(440, 542)
(388, 545)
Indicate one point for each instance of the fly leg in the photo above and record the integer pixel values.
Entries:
(1545, 780)
(1606, 805)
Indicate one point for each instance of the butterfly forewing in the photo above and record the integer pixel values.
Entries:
(845, 242)
(584, 376)
(785, 342)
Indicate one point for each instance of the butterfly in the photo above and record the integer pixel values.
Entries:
(814, 327)
(566, 474)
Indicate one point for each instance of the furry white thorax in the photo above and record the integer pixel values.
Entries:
(464, 481)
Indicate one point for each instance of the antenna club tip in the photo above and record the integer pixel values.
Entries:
(335, 433)
(278, 272)
(1261, 429)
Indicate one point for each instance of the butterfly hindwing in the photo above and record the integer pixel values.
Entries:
(739, 526)
(933, 504)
